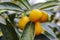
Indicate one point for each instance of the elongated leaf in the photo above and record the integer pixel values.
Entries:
(2, 20)
(1, 11)
(49, 36)
(46, 5)
(28, 33)
(55, 25)
(1, 34)
(26, 4)
(8, 31)
(49, 30)
(10, 6)
(35, 6)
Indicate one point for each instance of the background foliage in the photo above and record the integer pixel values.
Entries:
(12, 11)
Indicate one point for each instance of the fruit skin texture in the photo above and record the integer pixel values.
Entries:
(44, 17)
(35, 15)
(23, 21)
(38, 28)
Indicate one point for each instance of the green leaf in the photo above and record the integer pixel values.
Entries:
(1, 11)
(49, 30)
(9, 31)
(49, 4)
(28, 33)
(1, 34)
(2, 20)
(49, 36)
(10, 6)
(55, 25)
(46, 5)
(35, 6)
(26, 4)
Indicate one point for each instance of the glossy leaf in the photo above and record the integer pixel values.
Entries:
(49, 30)
(46, 5)
(10, 6)
(28, 33)
(26, 4)
(9, 31)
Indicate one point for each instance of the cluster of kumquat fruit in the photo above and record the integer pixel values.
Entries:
(35, 16)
